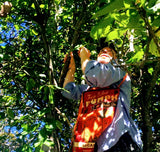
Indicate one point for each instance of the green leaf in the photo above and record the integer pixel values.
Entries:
(34, 32)
(59, 125)
(37, 144)
(51, 96)
(46, 92)
(17, 27)
(22, 117)
(10, 113)
(42, 6)
(30, 84)
(122, 19)
(33, 6)
(49, 143)
(142, 2)
(156, 22)
(42, 135)
(156, 7)
(50, 127)
(25, 127)
(112, 6)
(150, 71)
(151, 3)
(128, 3)
(138, 55)
(42, 112)
(24, 133)
(153, 49)
(2, 115)
(115, 34)
(102, 28)
(134, 20)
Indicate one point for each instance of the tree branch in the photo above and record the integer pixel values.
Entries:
(84, 14)
(64, 116)
(153, 81)
(143, 15)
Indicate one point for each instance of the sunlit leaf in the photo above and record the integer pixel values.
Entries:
(138, 56)
(42, 135)
(112, 6)
(150, 71)
(33, 6)
(37, 144)
(115, 34)
(48, 143)
(50, 127)
(122, 19)
(102, 28)
(142, 2)
(128, 3)
(25, 127)
(24, 133)
(42, 6)
(17, 27)
(158, 33)
(51, 98)
(34, 32)
(153, 48)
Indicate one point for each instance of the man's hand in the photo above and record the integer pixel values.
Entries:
(84, 52)
(5, 9)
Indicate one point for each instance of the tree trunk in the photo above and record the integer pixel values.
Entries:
(147, 90)
(147, 127)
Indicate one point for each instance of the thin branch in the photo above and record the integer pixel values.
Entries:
(64, 116)
(143, 15)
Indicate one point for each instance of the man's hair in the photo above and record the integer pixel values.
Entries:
(103, 43)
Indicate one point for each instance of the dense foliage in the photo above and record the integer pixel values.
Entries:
(35, 37)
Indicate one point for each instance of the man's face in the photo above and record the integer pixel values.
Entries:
(105, 55)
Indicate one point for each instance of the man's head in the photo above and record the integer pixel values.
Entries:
(106, 55)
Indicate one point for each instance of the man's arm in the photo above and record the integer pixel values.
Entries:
(84, 54)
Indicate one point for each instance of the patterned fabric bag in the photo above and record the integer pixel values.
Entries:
(96, 112)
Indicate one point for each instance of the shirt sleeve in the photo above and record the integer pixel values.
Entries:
(74, 91)
(102, 75)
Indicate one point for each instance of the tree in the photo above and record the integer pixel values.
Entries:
(35, 37)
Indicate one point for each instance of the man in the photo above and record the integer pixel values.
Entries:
(121, 134)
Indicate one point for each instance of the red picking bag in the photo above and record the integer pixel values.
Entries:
(96, 113)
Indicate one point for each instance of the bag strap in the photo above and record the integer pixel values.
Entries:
(124, 78)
